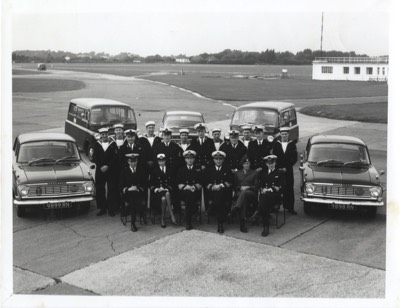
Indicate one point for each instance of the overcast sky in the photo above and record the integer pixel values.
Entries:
(193, 27)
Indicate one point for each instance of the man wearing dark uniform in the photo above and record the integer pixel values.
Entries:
(259, 148)
(246, 138)
(150, 136)
(104, 154)
(234, 151)
(162, 184)
(286, 152)
(216, 133)
(133, 185)
(203, 146)
(271, 180)
(189, 185)
(184, 139)
(218, 181)
(172, 151)
(133, 144)
(246, 190)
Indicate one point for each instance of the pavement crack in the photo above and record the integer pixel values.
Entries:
(77, 233)
(112, 243)
(15, 231)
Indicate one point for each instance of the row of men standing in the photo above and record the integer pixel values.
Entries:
(109, 154)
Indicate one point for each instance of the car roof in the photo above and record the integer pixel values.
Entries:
(90, 102)
(29, 137)
(336, 139)
(183, 112)
(270, 104)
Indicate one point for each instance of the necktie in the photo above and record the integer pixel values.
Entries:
(163, 169)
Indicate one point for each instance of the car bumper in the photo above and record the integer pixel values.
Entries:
(344, 202)
(35, 202)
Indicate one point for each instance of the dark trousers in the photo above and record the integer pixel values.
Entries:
(288, 190)
(136, 203)
(266, 203)
(220, 201)
(105, 201)
(244, 199)
(191, 200)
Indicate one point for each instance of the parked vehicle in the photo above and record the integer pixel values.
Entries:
(86, 115)
(48, 173)
(175, 120)
(41, 67)
(272, 115)
(336, 171)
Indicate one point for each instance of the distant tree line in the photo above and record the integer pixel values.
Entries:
(227, 56)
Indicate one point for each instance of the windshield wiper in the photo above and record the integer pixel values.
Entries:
(39, 160)
(356, 163)
(65, 158)
(330, 162)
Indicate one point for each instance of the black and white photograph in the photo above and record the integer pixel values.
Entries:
(199, 154)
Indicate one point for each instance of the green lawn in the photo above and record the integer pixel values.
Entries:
(45, 85)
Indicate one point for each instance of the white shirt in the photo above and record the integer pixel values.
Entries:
(284, 146)
(184, 146)
(246, 143)
(105, 145)
(151, 140)
(132, 169)
(119, 142)
(130, 145)
(201, 141)
(217, 145)
(163, 169)
(217, 168)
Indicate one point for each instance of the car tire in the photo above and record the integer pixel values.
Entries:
(20, 211)
(371, 211)
(307, 208)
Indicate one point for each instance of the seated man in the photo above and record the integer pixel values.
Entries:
(218, 181)
(162, 186)
(189, 185)
(271, 181)
(133, 187)
(245, 185)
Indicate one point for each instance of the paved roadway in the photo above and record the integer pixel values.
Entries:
(327, 254)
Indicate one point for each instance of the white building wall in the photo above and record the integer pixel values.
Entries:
(335, 71)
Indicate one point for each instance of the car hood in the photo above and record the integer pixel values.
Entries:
(343, 175)
(52, 173)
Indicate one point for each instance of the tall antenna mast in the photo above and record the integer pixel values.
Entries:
(322, 32)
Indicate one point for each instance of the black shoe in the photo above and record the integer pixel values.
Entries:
(243, 227)
(101, 212)
(133, 228)
(111, 213)
(163, 225)
(293, 212)
(265, 232)
(189, 227)
(220, 228)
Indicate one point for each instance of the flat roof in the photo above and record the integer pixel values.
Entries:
(336, 139)
(44, 136)
(90, 102)
(277, 105)
(178, 112)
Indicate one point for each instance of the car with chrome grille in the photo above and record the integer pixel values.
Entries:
(337, 172)
(48, 173)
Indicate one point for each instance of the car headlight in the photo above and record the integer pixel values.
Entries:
(270, 138)
(375, 191)
(23, 190)
(310, 188)
(89, 187)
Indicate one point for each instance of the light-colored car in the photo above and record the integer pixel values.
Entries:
(175, 120)
(48, 173)
(337, 172)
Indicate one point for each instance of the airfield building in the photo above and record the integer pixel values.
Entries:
(351, 68)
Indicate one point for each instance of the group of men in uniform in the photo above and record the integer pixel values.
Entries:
(243, 172)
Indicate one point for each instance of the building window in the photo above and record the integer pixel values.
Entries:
(369, 70)
(378, 69)
(327, 69)
(345, 70)
(357, 70)
(383, 71)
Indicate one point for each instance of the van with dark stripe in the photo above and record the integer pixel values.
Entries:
(87, 115)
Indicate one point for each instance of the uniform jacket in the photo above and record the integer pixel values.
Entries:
(203, 151)
(275, 178)
(139, 147)
(215, 143)
(214, 177)
(244, 141)
(188, 177)
(104, 158)
(181, 145)
(285, 159)
(173, 155)
(156, 141)
(127, 179)
(233, 155)
(160, 179)
(257, 152)
(250, 178)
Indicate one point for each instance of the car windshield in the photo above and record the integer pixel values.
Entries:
(256, 117)
(48, 151)
(338, 153)
(111, 115)
(182, 120)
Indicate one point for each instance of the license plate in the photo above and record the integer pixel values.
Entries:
(345, 207)
(58, 205)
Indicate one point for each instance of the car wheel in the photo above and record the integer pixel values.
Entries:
(307, 208)
(20, 211)
(371, 211)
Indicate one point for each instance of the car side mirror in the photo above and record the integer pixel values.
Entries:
(93, 167)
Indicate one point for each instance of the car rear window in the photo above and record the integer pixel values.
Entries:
(256, 117)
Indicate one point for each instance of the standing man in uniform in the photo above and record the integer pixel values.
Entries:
(218, 181)
(172, 151)
(259, 148)
(216, 133)
(150, 135)
(203, 146)
(286, 151)
(246, 138)
(184, 139)
(234, 151)
(189, 186)
(104, 154)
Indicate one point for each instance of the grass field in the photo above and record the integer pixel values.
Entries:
(372, 113)
(27, 72)
(45, 85)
